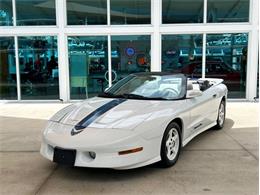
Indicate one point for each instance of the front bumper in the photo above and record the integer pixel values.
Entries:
(105, 143)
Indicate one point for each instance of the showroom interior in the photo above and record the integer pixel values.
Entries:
(52, 50)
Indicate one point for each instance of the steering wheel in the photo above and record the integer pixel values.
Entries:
(169, 92)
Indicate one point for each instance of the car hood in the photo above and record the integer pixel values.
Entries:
(126, 115)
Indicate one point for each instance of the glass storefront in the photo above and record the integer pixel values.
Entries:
(88, 65)
(94, 12)
(228, 11)
(182, 11)
(86, 12)
(226, 58)
(6, 13)
(134, 26)
(130, 11)
(130, 54)
(182, 54)
(38, 65)
(8, 88)
(31, 12)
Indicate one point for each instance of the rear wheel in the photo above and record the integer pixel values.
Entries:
(221, 115)
(171, 144)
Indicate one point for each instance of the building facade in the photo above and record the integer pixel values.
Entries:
(75, 49)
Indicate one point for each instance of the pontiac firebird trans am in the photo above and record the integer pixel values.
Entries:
(142, 119)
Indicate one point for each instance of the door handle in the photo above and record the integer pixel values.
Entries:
(214, 96)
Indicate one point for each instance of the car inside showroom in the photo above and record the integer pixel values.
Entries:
(74, 49)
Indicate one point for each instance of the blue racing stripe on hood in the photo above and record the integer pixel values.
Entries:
(85, 122)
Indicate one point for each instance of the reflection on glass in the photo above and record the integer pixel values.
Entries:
(227, 59)
(6, 13)
(38, 64)
(86, 12)
(31, 12)
(130, 11)
(7, 69)
(182, 54)
(87, 66)
(228, 11)
(182, 11)
(130, 54)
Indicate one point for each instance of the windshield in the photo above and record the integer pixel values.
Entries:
(161, 87)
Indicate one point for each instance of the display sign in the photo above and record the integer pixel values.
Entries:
(130, 51)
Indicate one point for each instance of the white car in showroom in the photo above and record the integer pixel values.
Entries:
(142, 119)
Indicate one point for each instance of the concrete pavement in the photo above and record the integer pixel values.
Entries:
(215, 162)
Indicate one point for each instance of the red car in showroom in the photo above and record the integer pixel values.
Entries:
(214, 69)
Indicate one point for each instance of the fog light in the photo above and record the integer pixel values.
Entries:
(92, 155)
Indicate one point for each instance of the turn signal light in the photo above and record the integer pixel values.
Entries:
(130, 151)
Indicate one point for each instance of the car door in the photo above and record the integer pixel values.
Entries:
(201, 110)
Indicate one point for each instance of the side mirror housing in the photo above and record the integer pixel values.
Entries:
(193, 93)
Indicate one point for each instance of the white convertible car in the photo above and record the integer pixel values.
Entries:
(142, 119)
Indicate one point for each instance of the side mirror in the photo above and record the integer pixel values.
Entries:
(193, 93)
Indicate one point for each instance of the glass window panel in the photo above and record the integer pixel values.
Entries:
(88, 65)
(86, 12)
(7, 69)
(130, 54)
(6, 13)
(227, 59)
(31, 12)
(182, 11)
(130, 11)
(182, 54)
(38, 62)
(228, 11)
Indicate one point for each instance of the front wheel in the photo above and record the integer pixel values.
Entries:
(221, 115)
(171, 144)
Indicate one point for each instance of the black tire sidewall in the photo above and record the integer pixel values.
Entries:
(164, 159)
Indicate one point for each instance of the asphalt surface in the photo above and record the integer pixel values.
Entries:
(215, 162)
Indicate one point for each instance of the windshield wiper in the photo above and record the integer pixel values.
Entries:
(129, 96)
(135, 96)
(125, 95)
(107, 94)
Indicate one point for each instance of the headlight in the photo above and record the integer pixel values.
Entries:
(48, 126)
(60, 114)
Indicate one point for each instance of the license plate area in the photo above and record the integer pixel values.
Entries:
(64, 156)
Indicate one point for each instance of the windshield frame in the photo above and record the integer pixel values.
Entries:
(109, 92)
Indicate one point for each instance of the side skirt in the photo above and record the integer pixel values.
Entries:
(187, 140)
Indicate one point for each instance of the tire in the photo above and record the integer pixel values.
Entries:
(221, 115)
(170, 146)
